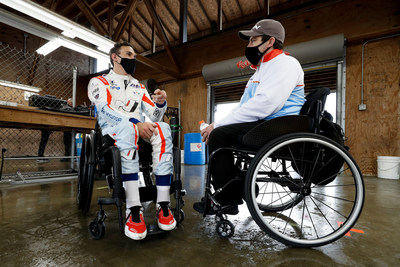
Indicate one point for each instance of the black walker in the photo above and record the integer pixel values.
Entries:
(301, 185)
(99, 156)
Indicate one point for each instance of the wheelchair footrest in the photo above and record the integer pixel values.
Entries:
(107, 201)
(152, 229)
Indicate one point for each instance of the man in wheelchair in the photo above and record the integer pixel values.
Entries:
(276, 89)
(120, 102)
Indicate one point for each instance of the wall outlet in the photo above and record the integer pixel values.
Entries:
(362, 107)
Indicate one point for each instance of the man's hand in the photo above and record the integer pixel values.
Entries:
(159, 96)
(205, 133)
(147, 129)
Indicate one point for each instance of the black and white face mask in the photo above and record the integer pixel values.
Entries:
(254, 55)
(128, 64)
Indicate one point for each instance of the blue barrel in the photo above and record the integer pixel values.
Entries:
(78, 142)
(195, 149)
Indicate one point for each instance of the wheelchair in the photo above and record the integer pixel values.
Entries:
(301, 185)
(101, 159)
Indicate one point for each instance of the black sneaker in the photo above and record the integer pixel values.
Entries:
(229, 209)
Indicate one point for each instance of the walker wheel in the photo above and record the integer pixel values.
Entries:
(97, 229)
(225, 229)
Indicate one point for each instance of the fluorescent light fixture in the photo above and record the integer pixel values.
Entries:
(69, 34)
(48, 48)
(20, 86)
(49, 17)
(26, 25)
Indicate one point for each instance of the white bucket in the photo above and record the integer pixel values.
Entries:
(388, 167)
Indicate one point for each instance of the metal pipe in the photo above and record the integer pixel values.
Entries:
(362, 106)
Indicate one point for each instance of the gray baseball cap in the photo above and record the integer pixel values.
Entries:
(268, 27)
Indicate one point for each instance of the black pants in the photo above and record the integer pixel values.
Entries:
(222, 163)
(45, 134)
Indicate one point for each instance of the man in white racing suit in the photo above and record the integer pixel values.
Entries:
(120, 102)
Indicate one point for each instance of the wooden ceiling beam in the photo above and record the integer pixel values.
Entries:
(160, 30)
(193, 21)
(204, 11)
(111, 5)
(130, 8)
(155, 65)
(139, 29)
(170, 12)
(91, 16)
(240, 8)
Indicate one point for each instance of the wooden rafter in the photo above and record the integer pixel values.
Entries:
(170, 12)
(161, 32)
(240, 8)
(91, 16)
(193, 21)
(154, 65)
(129, 10)
(204, 11)
(259, 4)
(149, 23)
(165, 27)
(139, 29)
(111, 5)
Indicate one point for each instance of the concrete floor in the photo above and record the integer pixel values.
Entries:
(40, 225)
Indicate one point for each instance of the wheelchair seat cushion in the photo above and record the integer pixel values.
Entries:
(271, 129)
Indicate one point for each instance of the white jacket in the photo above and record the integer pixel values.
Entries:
(275, 89)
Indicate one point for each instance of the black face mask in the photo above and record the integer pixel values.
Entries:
(254, 55)
(129, 65)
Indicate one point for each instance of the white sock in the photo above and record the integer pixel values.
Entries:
(132, 193)
(163, 193)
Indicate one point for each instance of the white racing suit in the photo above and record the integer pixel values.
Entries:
(120, 102)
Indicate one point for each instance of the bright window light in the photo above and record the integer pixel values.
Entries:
(48, 48)
(102, 64)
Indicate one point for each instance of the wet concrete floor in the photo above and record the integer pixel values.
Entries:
(40, 225)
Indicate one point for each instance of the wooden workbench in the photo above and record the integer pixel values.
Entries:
(33, 118)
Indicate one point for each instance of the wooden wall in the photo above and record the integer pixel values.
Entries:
(375, 131)
(193, 99)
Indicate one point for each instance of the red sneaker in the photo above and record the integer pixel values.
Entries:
(165, 219)
(135, 228)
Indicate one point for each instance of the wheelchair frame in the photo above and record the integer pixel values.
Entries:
(301, 188)
(106, 160)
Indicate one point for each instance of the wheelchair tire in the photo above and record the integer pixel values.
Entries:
(82, 176)
(310, 214)
(92, 149)
(86, 174)
(225, 228)
(97, 230)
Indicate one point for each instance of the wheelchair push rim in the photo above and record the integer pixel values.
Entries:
(312, 213)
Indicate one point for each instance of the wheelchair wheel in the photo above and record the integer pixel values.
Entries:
(82, 176)
(86, 173)
(225, 228)
(97, 230)
(301, 212)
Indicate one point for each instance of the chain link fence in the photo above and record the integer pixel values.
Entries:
(30, 79)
